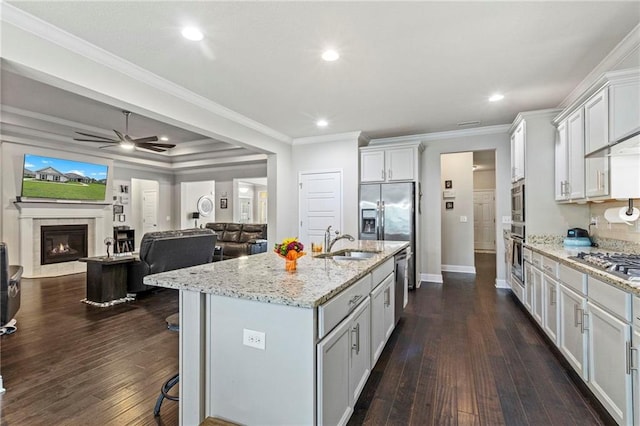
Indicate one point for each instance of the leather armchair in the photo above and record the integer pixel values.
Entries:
(169, 250)
(240, 239)
(10, 276)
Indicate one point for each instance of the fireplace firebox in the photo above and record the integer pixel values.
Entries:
(63, 243)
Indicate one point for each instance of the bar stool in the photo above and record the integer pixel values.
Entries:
(173, 324)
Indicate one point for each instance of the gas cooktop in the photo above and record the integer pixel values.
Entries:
(622, 265)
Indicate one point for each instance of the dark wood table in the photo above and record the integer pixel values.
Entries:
(107, 279)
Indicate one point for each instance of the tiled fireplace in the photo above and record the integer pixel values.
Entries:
(34, 216)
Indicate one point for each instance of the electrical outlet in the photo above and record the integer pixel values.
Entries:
(254, 339)
(463, 219)
(506, 220)
(594, 221)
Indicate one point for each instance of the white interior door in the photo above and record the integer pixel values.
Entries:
(484, 226)
(149, 211)
(320, 205)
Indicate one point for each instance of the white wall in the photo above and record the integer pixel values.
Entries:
(224, 190)
(492, 138)
(332, 152)
(484, 179)
(190, 193)
(457, 236)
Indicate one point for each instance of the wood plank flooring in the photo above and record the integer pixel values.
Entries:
(464, 353)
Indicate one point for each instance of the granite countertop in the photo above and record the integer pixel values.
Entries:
(262, 277)
(561, 254)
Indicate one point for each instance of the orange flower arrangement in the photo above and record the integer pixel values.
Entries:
(290, 249)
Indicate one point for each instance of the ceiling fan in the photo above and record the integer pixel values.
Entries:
(126, 142)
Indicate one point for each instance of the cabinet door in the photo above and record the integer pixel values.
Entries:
(372, 166)
(537, 304)
(550, 313)
(528, 287)
(378, 329)
(609, 338)
(597, 176)
(360, 358)
(596, 121)
(624, 109)
(575, 140)
(518, 152)
(571, 337)
(562, 163)
(389, 306)
(334, 402)
(636, 373)
(401, 164)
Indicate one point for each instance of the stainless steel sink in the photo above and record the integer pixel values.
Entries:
(348, 254)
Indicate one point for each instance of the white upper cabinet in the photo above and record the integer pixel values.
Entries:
(575, 142)
(562, 163)
(383, 163)
(624, 108)
(596, 121)
(518, 152)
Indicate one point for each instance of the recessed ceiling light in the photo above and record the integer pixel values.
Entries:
(330, 55)
(164, 138)
(496, 97)
(322, 123)
(192, 33)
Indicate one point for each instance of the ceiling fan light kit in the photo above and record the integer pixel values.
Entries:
(127, 142)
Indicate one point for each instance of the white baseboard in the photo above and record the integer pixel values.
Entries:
(502, 284)
(2, 389)
(459, 268)
(432, 278)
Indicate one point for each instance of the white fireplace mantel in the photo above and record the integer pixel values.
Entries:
(32, 215)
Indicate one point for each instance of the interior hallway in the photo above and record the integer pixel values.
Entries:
(467, 354)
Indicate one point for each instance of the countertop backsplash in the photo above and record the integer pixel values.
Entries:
(614, 231)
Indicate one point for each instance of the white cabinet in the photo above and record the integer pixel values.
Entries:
(528, 287)
(382, 316)
(624, 107)
(343, 366)
(562, 163)
(518, 152)
(550, 311)
(609, 379)
(596, 121)
(572, 340)
(575, 143)
(596, 176)
(634, 355)
(536, 291)
(389, 164)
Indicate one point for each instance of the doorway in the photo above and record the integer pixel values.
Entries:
(320, 204)
(250, 199)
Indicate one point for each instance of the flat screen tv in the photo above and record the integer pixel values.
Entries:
(46, 177)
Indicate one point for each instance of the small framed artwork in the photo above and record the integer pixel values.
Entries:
(448, 184)
(121, 218)
(449, 205)
(118, 209)
(223, 203)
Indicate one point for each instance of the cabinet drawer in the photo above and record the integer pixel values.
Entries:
(550, 267)
(332, 312)
(526, 254)
(636, 311)
(536, 259)
(615, 300)
(381, 272)
(573, 279)
(518, 291)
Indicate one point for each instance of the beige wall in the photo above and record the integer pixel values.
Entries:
(484, 179)
(616, 231)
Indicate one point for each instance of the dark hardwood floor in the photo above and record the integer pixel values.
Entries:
(464, 353)
(74, 364)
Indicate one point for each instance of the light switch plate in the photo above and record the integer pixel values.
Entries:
(506, 220)
(463, 219)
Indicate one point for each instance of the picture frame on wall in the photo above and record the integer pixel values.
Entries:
(223, 203)
(449, 205)
(118, 209)
(448, 184)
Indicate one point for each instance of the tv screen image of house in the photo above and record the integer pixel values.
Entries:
(46, 177)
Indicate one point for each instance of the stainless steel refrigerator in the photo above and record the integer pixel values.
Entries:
(387, 212)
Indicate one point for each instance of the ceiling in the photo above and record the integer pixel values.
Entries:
(405, 67)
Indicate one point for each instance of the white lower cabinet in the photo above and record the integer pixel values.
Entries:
(609, 375)
(634, 367)
(550, 309)
(343, 366)
(536, 291)
(382, 316)
(528, 287)
(572, 340)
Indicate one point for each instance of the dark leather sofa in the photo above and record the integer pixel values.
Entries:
(169, 250)
(240, 239)
(10, 276)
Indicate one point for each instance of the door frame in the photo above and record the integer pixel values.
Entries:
(493, 192)
(317, 172)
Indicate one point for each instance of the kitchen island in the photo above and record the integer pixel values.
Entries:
(259, 345)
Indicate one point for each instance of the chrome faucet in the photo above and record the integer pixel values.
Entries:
(338, 238)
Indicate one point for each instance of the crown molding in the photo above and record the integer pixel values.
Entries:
(38, 27)
(626, 47)
(336, 137)
(551, 112)
(451, 134)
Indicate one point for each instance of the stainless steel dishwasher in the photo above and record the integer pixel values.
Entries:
(401, 261)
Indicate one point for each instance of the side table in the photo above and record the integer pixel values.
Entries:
(107, 280)
(218, 253)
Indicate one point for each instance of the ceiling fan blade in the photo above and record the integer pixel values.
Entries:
(150, 147)
(164, 145)
(93, 140)
(96, 136)
(106, 146)
(147, 139)
(120, 136)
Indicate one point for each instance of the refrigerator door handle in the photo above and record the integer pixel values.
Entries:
(382, 220)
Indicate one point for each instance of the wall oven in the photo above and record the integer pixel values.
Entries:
(517, 202)
(517, 261)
